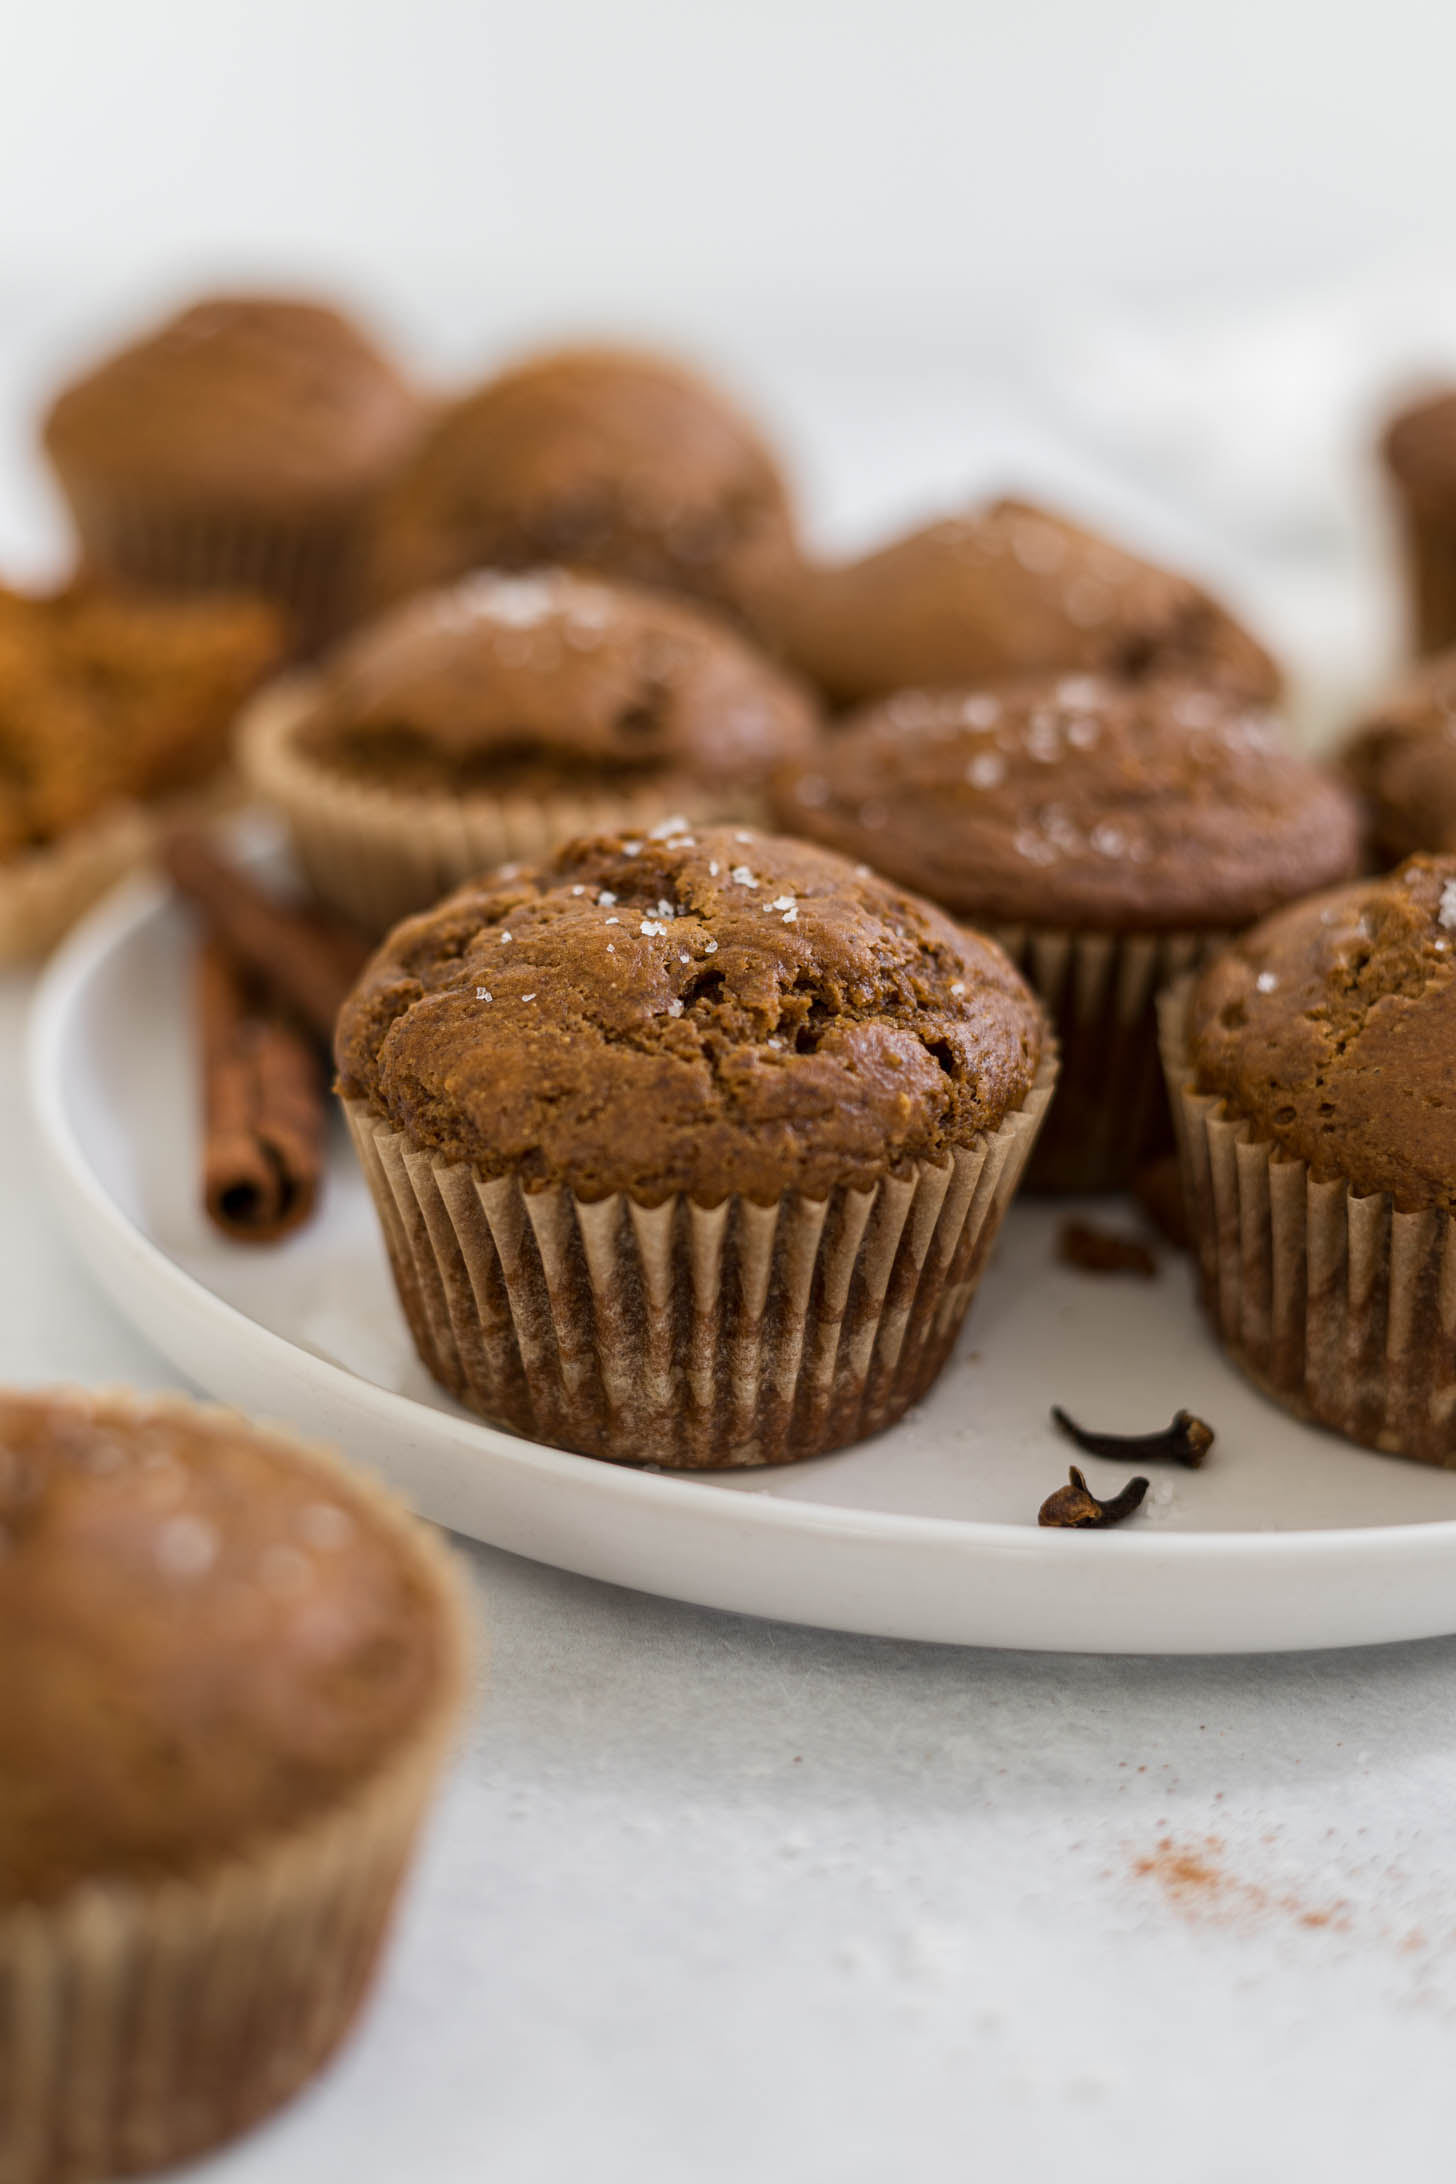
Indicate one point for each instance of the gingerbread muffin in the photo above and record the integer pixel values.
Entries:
(496, 718)
(231, 1669)
(601, 459)
(239, 447)
(1109, 833)
(1402, 760)
(1418, 449)
(1002, 591)
(689, 1150)
(113, 712)
(1312, 1068)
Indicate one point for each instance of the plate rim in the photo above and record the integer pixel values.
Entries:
(85, 1203)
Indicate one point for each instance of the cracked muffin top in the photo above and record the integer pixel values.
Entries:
(509, 684)
(259, 398)
(210, 1634)
(604, 459)
(1402, 760)
(1333, 1026)
(1004, 590)
(1081, 800)
(711, 1011)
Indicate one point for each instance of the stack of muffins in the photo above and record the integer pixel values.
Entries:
(689, 1139)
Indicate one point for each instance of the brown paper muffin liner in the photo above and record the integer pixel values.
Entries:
(378, 856)
(1428, 537)
(694, 1337)
(309, 564)
(144, 2022)
(1110, 1115)
(1335, 1304)
(44, 891)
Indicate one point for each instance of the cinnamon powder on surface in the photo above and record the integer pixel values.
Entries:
(1197, 1881)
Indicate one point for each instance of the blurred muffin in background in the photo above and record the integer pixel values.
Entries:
(239, 447)
(1418, 449)
(1004, 590)
(112, 709)
(603, 459)
(232, 1668)
(1402, 760)
(495, 718)
(1108, 833)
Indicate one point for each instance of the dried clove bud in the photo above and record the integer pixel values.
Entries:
(1075, 1508)
(1186, 1441)
(1158, 1189)
(1102, 1251)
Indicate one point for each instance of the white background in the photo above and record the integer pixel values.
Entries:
(1167, 258)
(939, 162)
(712, 1901)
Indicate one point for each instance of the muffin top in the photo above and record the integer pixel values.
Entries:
(605, 459)
(1079, 800)
(1333, 1026)
(209, 1634)
(1419, 444)
(712, 1012)
(1402, 759)
(104, 697)
(506, 684)
(1001, 591)
(257, 398)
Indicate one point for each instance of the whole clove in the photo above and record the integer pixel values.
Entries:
(1075, 1508)
(1158, 1189)
(1102, 1251)
(1186, 1441)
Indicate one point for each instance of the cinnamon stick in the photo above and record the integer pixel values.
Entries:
(262, 1105)
(304, 962)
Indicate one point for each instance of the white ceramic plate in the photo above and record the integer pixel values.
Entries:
(1288, 1538)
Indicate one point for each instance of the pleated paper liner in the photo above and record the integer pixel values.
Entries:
(688, 1336)
(378, 856)
(310, 565)
(44, 891)
(1428, 539)
(1110, 1115)
(1336, 1305)
(142, 2023)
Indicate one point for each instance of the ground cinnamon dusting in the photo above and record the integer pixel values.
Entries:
(1197, 1881)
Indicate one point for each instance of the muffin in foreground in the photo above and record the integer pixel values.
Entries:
(114, 711)
(1009, 589)
(605, 459)
(1311, 1067)
(231, 1670)
(1109, 834)
(1418, 448)
(499, 717)
(238, 447)
(1402, 761)
(689, 1150)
